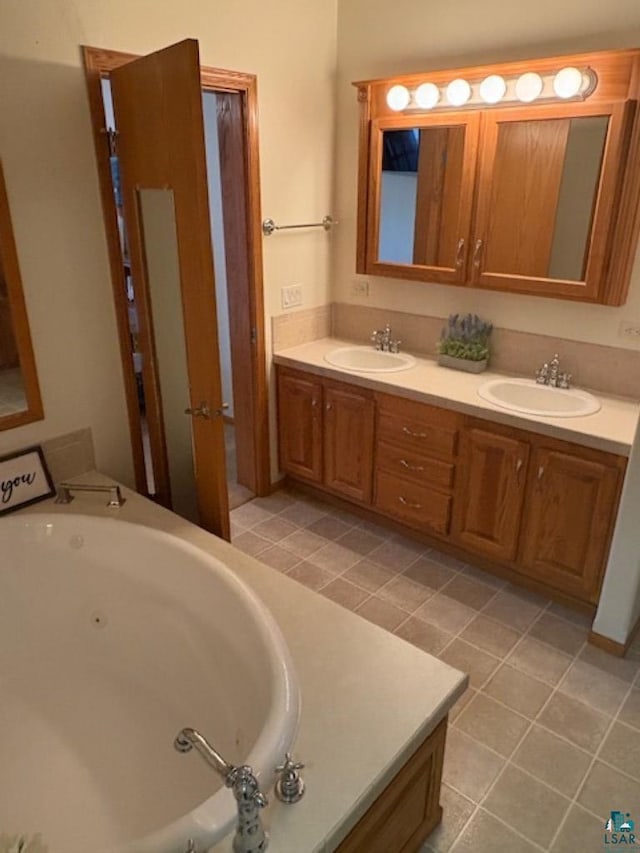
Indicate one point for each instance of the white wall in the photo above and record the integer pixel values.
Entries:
(377, 39)
(47, 152)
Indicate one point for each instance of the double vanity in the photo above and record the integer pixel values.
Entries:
(519, 478)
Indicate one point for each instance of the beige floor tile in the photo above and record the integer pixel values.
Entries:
(312, 576)
(405, 593)
(580, 833)
(527, 804)
(486, 834)
(278, 558)
(552, 760)
(394, 555)
(624, 668)
(574, 720)
(447, 613)
(334, 558)
(539, 660)
(462, 703)
(360, 541)
(382, 613)
(303, 542)
(559, 633)
(303, 513)
(595, 687)
(468, 592)
(483, 577)
(469, 767)
(250, 543)
(429, 573)
(630, 711)
(478, 664)
(248, 515)
(368, 575)
(491, 636)
(528, 595)
(276, 502)
(518, 690)
(622, 749)
(345, 593)
(426, 637)
(492, 724)
(456, 811)
(512, 610)
(329, 527)
(274, 528)
(570, 615)
(606, 789)
(446, 560)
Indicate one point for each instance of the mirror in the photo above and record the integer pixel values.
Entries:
(20, 401)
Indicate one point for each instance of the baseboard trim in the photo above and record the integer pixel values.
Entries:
(612, 646)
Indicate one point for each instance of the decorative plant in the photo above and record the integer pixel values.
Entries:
(465, 337)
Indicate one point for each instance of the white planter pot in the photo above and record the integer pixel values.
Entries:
(462, 363)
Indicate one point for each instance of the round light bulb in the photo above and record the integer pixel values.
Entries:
(458, 92)
(492, 89)
(427, 96)
(398, 98)
(529, 86)
(567, 83)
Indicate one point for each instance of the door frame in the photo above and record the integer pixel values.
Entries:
(98, 63)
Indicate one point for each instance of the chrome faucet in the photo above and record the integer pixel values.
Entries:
(382, 340)
(250, 836)
(550, 374)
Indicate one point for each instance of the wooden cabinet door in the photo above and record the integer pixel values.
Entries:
(300, 425)
(348, 442)
(489, 493)
(571, 505)
(547, 183)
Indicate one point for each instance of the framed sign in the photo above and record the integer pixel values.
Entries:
(24, 479)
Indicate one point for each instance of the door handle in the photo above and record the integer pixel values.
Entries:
(477, 254)
(203, 410)
(460, 253)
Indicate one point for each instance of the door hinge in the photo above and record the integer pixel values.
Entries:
(111, 136)
(254, 335)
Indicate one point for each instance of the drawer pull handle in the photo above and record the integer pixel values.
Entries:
(409, 467)
(540, 472)
(407, 503)
(407, 431)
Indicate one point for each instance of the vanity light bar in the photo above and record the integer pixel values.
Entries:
(567, 84)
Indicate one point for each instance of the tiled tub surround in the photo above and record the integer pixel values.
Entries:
(610, 370)
(547, 737)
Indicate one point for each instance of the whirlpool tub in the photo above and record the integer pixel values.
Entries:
(113, 637)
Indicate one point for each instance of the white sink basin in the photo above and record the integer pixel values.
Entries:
(369, 360)
(530, 398)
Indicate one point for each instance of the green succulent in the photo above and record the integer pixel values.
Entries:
(465, 336)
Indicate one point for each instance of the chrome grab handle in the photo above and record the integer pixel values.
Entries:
(407, 503)
(407, 431)
(64, 495)
(409, 467)
(477, 252)
(460, 253)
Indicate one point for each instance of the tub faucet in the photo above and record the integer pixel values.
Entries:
(250, 836)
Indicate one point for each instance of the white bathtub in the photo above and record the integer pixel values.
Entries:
(113, 637)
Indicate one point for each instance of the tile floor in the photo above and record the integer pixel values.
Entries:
(546, 741)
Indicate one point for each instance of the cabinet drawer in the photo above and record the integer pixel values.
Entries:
(414, 466)
(417, 426)
(417, 505)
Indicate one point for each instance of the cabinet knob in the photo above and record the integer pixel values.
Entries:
(328, 407)
(314, 403)
(407, 503)
(519, 464)
(540, 472)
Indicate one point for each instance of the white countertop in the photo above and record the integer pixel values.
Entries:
(368, 698)
(612, 428)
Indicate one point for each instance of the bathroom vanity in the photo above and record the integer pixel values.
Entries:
(532, 499)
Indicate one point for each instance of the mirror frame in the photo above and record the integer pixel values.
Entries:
(22, 334)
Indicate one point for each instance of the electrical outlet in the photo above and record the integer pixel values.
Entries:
(291, 295)
(360, 287)
(630, 331)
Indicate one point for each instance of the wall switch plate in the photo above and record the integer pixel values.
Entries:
(630, 331)
(360, 287)
(291, 295)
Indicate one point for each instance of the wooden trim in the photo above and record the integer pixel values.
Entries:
(99, 63)
(19, 319)
(363, 179)
(612, 646)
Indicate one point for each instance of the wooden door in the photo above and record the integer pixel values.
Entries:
(490, 492)
(547, 182)
(300, 425)
(571, 505)
(158, 107)
(348, 441)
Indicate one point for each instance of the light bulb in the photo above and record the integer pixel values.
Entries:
(568, 82)
(458, 92)
(529, 86)
(492, 89)
(398, 98)
(427, 96)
